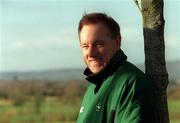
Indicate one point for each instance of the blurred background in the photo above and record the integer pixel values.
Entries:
(41, 67)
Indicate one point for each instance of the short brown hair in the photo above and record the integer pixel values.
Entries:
(94, 18)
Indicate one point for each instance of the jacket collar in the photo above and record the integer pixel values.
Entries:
(118, 59)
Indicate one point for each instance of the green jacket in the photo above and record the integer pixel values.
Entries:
(120, 93)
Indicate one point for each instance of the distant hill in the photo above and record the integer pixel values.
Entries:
(77, 74)
(173, 69)
(52, 75)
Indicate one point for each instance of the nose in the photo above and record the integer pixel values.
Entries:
(92, 52)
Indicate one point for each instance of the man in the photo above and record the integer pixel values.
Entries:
(118, 92)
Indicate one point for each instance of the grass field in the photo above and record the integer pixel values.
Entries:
(174, 111)
(54, 111)
(49, 112)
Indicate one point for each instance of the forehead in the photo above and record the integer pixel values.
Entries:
(95, 26)
(94, 32)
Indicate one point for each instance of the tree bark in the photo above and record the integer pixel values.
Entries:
(155, 65)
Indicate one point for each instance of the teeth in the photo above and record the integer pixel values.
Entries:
(93, 61)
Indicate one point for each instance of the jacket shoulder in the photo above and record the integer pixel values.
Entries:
(129, 74)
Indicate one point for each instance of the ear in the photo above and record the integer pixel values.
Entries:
(118, 41)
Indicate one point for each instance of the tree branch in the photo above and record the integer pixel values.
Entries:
(136, 2)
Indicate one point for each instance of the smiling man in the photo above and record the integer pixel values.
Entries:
(118, 92)
(97, 45)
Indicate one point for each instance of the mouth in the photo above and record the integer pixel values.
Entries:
(96, 65)
(94, 61)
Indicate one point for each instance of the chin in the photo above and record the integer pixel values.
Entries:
(96, 70)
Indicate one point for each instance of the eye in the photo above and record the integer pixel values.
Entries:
(99, 44)
(84, 46)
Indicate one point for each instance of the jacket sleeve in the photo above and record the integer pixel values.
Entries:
(136, 103)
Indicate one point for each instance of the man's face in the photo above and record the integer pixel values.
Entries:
(97, 46)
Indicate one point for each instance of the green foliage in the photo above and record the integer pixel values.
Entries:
(174, 110)
(54, 111)
(40, 101)
(54, 102)
(51, 111)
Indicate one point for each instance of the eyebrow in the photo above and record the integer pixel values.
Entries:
(99, 41)
(95, 42)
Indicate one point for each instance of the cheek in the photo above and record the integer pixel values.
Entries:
(84, 57)
(109, 52)
(102, 50)
(84, 54)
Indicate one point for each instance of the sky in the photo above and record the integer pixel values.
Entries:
(42, 34)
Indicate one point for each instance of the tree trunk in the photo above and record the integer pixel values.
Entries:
(155, 66)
